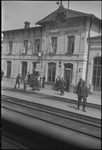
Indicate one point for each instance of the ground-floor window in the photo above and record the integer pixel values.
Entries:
(97, 73)
(24, 69)
(8, 68)
(51, 72)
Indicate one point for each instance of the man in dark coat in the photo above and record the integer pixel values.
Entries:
(79, 83)
(43, 81)
(82, 94)
(62, 86)
(18, 78)
(57, 83)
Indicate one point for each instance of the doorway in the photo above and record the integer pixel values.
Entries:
(51, 72)
(68, 73)
(24, 69)
(8, 68)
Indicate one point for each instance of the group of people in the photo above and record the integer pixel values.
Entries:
(31, 80)
(81, 91)
(60, 84)
(37, 82)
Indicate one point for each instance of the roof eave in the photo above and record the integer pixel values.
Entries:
(20, 29)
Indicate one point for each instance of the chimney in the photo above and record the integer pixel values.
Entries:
(27, 24)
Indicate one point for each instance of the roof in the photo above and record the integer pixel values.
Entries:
(21, 29)
(69, 14)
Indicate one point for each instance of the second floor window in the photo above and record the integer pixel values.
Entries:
(54, 44)
(37, 45)
(70, 44)
(25, 46)
(10, 47)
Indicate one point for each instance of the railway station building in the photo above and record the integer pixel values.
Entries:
(65, 43)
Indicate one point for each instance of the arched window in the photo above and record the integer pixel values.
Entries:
(97, 73)
(24, 68)
(51, 72)
(8, 68)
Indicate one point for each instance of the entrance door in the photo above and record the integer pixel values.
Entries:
(8, 68)
(51, 72)
(68, 76)
(34, 67)
(24, 68)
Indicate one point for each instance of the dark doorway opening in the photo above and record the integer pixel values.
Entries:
(68, 72)
(24, 69)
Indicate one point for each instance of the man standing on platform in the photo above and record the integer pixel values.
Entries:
(43, 81)
(18, 78)
(62, 86)
(82, 94)
(79, 83)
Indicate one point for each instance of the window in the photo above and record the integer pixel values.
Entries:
(54, 44)
(51, 72)
(37, 45)
(10, 47)
(25, 46)
(97, 73)
(70, 44)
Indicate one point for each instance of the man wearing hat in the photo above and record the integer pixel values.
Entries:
(82, 94)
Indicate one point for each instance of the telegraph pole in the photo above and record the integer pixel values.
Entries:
(68, 4)
(60, 3)
(87, 66)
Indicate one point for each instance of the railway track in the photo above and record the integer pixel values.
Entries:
(11, 144)
(78, 123)
(58, 112)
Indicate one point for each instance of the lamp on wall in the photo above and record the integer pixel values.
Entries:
(79, 70)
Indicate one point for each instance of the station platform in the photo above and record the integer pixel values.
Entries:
(96, 98)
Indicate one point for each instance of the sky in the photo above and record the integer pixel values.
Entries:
(15, 13)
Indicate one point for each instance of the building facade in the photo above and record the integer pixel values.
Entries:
(94, 68)
(57, 47)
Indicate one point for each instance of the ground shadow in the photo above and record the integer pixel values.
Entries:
(75, 107)
(57, 93)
